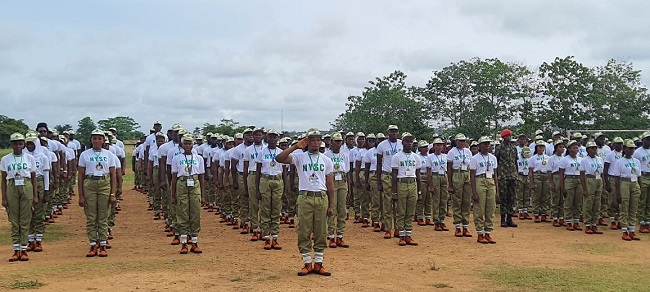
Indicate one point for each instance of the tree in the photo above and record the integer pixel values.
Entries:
(226, 127)
(567, 88)
(84, 128)
(127, 127)
(9, 126)
(386, 101)
(620, 101)
(65, 127)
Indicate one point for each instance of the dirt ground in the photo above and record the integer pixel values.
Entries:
(533, 255)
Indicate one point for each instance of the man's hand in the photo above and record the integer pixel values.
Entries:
(82, 201)
(475, 196)
(330, 211)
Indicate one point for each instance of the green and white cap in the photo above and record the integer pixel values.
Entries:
(461, 137)
(313, 132)
(483, 139)
(239, 136)
(272, 132)
(618, 140)
(393, 127)
(381, 136)
(337, 137)
(188, 138)
(438, 140)
(591, 144)
(407, 134)
(629, 143)
(361, 134)
(540, 143)
(31, 136)
(423, 143)
(97, 132)
(370, 136)
(17, 137)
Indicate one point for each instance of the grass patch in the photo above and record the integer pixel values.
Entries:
(433, 266)
(596, 248)
(52, 233)
(590, 278)
(27, 285)
(441, 285)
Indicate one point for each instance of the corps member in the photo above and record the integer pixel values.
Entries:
(370, 182)
(249, 167)
(569, 186)
(385, 152)
(269, 185)
(316, 195)
(37, 226)
(485, 188)
(538, 166)
(627, 171)
(342, 177)
(557, 198)
(458, 160)
(643, 155)
(97, 185)
(591, 180)
(438, 185)
(405, 188)
(610, 159)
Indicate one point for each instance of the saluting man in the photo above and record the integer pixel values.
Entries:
(315, 199)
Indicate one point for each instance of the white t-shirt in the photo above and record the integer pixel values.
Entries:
(643, 155)
(164, 148)
(266, 158)
(483, 164)
(154, 156)
(522, 165)
(42, 162)
(460, 158)
(227, 156)
(539, 163)
(406, 164)
(361, 153)
(611, 158)
(119, 143)
(370, 157)
(387, 149)
(340, 160)
(74, 145)
(172, 152)
(54, 145)
(627, 168)
(138, 150)
(238, 154)
(312, 170)
(22, 165)
(602, 152)
(554, 163)
(424, 163)
(187, 164)
(570, 165)
(593, 166)
(222, 155)
(582, 151)
(250, 154)
(117, 161)
(69, 154)
(97, 163)
(437, 163)
(150, 141)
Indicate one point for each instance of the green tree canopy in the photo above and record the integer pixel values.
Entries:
(9, 126)
(127, 127)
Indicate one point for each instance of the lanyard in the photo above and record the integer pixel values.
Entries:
(97, 155)
(312, 162)
(461, 155)
(188, 165)
(22, 156)
(487, 162)
(393, 150)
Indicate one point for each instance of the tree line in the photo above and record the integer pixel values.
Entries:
(482, 96)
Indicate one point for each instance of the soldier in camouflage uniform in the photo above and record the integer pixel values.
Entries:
(506, 154)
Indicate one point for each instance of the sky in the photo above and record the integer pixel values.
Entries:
(286, 65)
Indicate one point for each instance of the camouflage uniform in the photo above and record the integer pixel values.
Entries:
(506, 155)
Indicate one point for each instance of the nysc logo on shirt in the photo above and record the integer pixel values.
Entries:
(38, 164)
(630, 165)
(596, 165)
(390, 152)
(482, 164)
(459, 157)
(313, 167)
(269, 156)
(253, 156)
(337, 159)
(407, 163)
(17, 166)
(99, 159)
(188, 162)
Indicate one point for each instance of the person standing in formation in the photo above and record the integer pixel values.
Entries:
(591, 180)
(459, 184)
(385, 152)
(610, 159)
(269, 186)
(342, 177)
(643, 155)
(628, 190)
(438, 184)
(569, 186)
(506, 154)
(484, 182)
(539, 167)
(405, 188)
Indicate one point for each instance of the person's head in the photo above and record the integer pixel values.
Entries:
(17, 142)
(157, 126)
(393, 131)
(592, 149)
(525, 152)
(629, 148)
(600, 139)
(483, 144)
(423, 147)
(230, 142)
(337, 142)
(71, 135)
(370, 141)
(248, 136)
(506, 135)
(272, 137)
(461, 140)
(322, 147)
(314, 140)
(42, 129)
(182, 133)
(407, 142)
(349, 139)
(380, 138)
(438, 145)
(284, 143)
(540, 147)
(617, 144)
(160, 139)
(559, 147)
(327, 139)
(361, 140)
(239, 138)
(556, 136)
(97, 139)
(258, 136)
(572, 148)
(522, 140)
(473, 148)
(188, 143)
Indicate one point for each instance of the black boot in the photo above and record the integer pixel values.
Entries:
(509, 221)
(503, 220)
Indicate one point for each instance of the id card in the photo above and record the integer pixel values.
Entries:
(577, 172)
(634, 178)
(338, 177)
(313, 180)
(598, 177)
(410, 173)
(98, 173)
(463, 166)
(19, 181)
(190, 182)
(488, 174)
(441, 171)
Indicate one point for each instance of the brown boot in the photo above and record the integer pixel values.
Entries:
(601, 222)
(110, 234)
(267, 244)
(588, 230)
(156, 217)
(396, 233)
(429, 222)
(306, 270)
(292, 224)
(170, 233)
(556, 223)
(410, 241)
(320, 270)
(341, 243)
(387, 235)
(444, 227)
(481, 239)
(537, 220)
(332, 243)
(466, 233)
(595, 230)
(562, 222)
(102, 252)
(437, 228)
(38, 247)
(402, 241)
(176, 240)
(275, 245)
(255, 236)
(569, 227)
(376, 228)
(24, 257)
(545, 219)
(489, 239)
(245, 230)
(365, 223)
(92, 252)
(184, 249)
(30, 246)
(458, 233)
(195, 248)
(576, 226)
(15, 256)
(522, 216)
(613, 226)
(626, 237)
(631, 234)
(421, 222)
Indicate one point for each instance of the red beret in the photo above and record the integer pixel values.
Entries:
(505, 132)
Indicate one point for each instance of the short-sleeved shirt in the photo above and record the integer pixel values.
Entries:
(237, 153)
(18, 165)
(361, 153)
(370, 157)
(312, 170)
(627, 167)
(251, 153)
(437, 163)
(592, 166)
(266, 158)
(424, 163)
(187, 164)
(387, 149)
(150, 141)
(603, 151)
(611, 158)
(97, 163)
(643, 155)
(554, 162)
(570, 165)
(42, 162)
(460, 158)
(340, 161)
(483, 164)
(522, 165)
(406, 164)
(154, 156)
(539, 163)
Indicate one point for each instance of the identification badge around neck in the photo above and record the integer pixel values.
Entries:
(338, 177)
(634, 178)
(410, 172)
(488, 174)
(19, 180)
(463, 166)
(313, 180)
(190, 182)
(577, 172)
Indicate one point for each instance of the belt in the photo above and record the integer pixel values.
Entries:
(460, 170)
(241, 172)
(406, 180)
(437, 174)
(482, 175)
(539, 172)
(317, 194)
(372, 171)
(272, 177)
(251, 172)
(645, 174)
(627, 179)
(156, 167)
(184, 178)
(96, 177)
(571, 176)
(590, 176)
